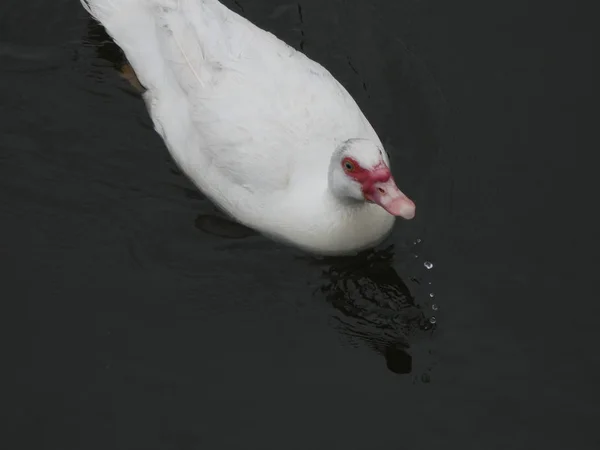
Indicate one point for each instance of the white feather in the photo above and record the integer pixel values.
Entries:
(251, 121)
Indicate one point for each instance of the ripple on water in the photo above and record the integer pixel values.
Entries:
(373, 304)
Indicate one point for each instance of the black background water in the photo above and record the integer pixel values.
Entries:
(131, 327)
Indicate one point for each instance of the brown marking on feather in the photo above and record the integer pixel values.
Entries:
(128, 73)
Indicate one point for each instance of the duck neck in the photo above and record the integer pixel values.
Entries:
(342, 205)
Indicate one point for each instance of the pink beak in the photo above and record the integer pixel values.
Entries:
(387, 195)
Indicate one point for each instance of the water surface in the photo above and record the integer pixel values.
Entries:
(136, 327)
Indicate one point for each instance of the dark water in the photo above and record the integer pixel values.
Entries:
(132, 326)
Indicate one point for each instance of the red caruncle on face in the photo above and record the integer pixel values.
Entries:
(378, 186)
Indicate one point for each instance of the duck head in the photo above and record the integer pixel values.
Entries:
(360, 172)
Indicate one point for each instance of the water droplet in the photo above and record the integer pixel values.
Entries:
(416, 256)
(428, 265)
(431, 295)
(429, 283)
(435, 307)
(432, 319)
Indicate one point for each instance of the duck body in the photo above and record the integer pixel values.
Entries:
(255, 124)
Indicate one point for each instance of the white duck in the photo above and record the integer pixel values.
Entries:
(266, 133)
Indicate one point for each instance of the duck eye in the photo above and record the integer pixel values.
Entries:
(348, 166)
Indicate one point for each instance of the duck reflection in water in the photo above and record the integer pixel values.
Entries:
(372, 303)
